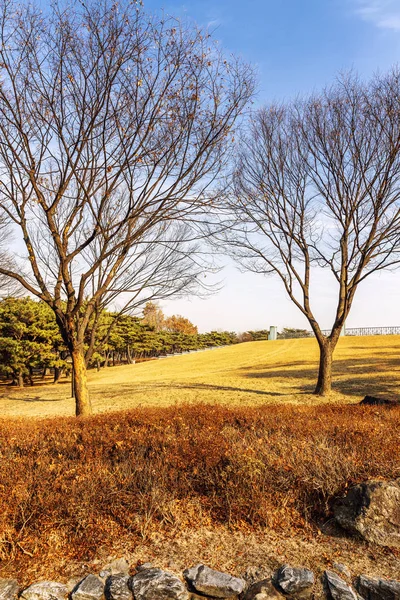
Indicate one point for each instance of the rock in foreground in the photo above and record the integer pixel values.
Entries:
(337, 589)
(118, 587)
(151, 584)
(8, 589)
(90, 588)
(378, 589)
(45, 590)
(294, 581)
(372, 510)
(213, 583)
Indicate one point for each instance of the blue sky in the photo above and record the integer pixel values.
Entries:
(298, 46)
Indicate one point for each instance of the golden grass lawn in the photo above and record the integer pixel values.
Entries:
(253, 373)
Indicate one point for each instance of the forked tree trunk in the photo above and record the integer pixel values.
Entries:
(327, 347)
(82, 401)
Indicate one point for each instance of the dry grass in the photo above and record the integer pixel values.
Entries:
(252, 483)
(255, 373)
(71, 487)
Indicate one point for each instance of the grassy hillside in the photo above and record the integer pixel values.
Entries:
(231, 486)
(254, 373)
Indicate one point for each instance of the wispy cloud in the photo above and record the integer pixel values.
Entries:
(382, 13)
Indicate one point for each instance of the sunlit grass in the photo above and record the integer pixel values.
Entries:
(255, 373)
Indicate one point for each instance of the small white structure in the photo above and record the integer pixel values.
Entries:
(273, 332)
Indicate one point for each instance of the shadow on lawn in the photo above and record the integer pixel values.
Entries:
(196, 386)
(371, 375)
(225, 388)
(35, 399)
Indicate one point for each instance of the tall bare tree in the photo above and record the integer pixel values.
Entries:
(317, 185)
(113, 128)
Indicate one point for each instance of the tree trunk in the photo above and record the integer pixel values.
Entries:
(30, 375)
(44, 372)
(324, 384)
(57, 374)
(128, 355)
(20, 379)
(82, 401)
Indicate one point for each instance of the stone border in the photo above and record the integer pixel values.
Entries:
(201, 582)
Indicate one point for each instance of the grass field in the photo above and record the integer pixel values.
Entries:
(254, 373)
(223, 457)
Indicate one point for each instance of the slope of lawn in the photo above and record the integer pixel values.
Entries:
(198, 470)
(254, 373)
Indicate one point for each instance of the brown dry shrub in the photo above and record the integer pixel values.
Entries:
(89, 482)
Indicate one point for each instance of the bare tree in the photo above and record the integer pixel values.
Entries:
(169, 262)
(317, 185)
(114, 126)
(8, 286)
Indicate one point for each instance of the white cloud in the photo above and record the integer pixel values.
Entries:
(382, 13)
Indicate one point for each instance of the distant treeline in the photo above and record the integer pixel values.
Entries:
(31, 344)
(262, 334)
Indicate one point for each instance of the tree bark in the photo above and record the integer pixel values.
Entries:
(83, 405)
(57, 374)
(20, 379)
(324, 383)
(327, 346)
(31, 376)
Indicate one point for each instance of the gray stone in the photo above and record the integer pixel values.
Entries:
(194, 596)
(151, 584)
(341, 568)
(262, 590)
(90, 588)
(378, 589)
(372, 510)
(337, 588)
(45, 590)
(213, 583)
(118, 587)
(144, 566)
(294, 582)
(8, 589)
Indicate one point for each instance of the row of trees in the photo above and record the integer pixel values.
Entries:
(31, 343)
(118, 159)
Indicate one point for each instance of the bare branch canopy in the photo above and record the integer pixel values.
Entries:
(317, 185)
(114, 126)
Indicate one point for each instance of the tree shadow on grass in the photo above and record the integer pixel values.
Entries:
(353, 376)
(36, 399)
(226, 388)
(197, 386)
